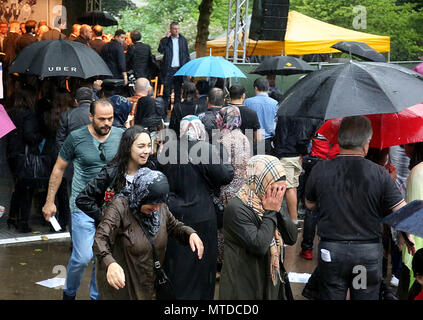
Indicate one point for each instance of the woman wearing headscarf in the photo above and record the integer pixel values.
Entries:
(126, 265)
(238, 147)
(196, 168)
(255, 231)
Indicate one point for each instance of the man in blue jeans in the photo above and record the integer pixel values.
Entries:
(89, 148)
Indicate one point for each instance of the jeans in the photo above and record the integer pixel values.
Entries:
(350, 265)
(83, 231)
(310, 222)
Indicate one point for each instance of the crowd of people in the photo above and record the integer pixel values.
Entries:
(200, 197)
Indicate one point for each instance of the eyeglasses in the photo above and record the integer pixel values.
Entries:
(101, 148)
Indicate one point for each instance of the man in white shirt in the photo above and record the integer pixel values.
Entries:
(174, 48)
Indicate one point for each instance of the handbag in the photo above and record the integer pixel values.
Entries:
(36, 168)
(162, 284)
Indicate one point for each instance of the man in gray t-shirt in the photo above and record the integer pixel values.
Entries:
(89, 148)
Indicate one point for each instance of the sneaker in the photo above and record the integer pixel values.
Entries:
(394, 281)
(306, 254)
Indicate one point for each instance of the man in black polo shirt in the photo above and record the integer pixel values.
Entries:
(249, 119)
(352, 194)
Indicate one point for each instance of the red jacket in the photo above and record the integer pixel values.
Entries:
(322, 149)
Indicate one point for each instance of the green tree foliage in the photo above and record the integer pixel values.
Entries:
(403, 22)
(114, 7)
(153, 20)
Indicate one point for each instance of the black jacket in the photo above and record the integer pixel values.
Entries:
(140, 59)
(91, 199)
(147, 116)
(71, 120)
(292, 135)
(27, 132)
(166, 48)
(114, 57)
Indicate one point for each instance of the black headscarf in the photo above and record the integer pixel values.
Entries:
(148, 187)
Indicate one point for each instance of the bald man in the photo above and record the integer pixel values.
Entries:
(53, 34)
(147, 115)
(142, 87)
(41, 30)
(85, 34)
(97, 42)
(75, 32)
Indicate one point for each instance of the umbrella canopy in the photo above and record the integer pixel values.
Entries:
(353, 88)
(216, 67)
(389, 129)
(419, 68)
(407, 219)
(282, 65)
(101, 18)
(359, 49)
(52, 58)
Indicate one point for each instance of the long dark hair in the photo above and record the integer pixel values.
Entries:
(124, 153)
(417, 155)
(24, 98)
(62, 101)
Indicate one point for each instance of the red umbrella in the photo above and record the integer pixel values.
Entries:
(389, 129)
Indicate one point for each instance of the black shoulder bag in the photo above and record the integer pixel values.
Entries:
(162, 284)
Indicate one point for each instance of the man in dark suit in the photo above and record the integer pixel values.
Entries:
(114, 56)
(75, 32)
(29, 37)
(97, 42)
(139, 57)
(54, 34)
(174, 48)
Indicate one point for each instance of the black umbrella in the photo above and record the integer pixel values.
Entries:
(407, 219)
(95, 17)
(282, 65)
(353, 88)
(359, 49)
(52, 58)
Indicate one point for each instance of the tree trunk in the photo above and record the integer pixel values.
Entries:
(206, 9)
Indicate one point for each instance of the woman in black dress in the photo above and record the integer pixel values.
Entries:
(192, 175)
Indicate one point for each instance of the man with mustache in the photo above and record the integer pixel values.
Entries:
(89, 148)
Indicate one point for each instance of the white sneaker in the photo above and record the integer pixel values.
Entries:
(394, 281)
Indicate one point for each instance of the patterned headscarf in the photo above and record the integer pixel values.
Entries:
(148, 187)
(262, 171)
(192, 127)
(231, 119)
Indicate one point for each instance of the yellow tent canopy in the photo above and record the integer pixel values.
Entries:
(304, 35)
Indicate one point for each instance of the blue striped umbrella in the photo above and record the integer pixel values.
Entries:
(210, 66)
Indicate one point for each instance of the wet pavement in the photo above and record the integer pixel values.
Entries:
(24, 264)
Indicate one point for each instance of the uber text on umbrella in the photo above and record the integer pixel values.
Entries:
(71, 69)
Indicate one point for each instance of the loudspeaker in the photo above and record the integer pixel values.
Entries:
(269, 20)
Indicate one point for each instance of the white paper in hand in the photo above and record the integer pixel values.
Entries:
(55, 224)
(325, 255)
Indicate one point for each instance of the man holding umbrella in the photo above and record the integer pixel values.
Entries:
(352, 194)
(174, 48)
